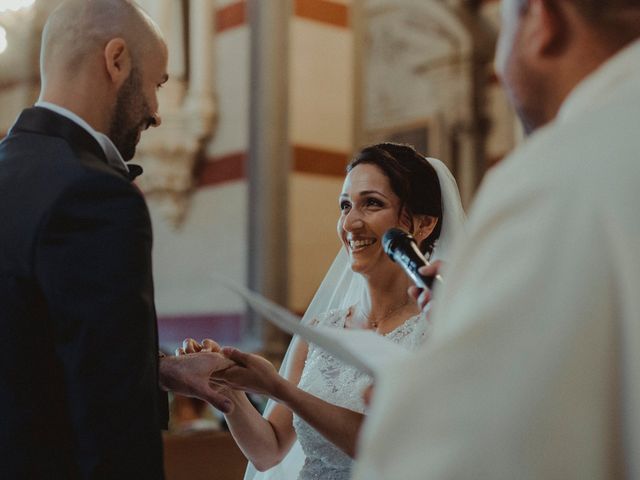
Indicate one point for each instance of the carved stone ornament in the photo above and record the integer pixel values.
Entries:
(169, 154)
(416, 81)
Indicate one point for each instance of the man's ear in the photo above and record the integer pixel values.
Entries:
(117, 58)
(544, 27)
(423, 226)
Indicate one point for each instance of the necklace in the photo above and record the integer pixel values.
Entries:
(374, 323)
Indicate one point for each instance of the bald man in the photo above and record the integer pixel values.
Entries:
(79, 368)
(533, 368)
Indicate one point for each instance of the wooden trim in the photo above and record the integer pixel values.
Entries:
(223, 169)
(319, 161)
(231, 16)
(324, 11)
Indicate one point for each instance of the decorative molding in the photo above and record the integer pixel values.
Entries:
(231, 167)
(222, 169)
(423, 69)
(319, 161)
(231, 16)
(336, 14)
(171, 153)
(323, 11)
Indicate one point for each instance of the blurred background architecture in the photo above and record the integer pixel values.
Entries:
(267, 101)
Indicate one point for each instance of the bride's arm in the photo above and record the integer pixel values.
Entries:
(265, 441)
(338, 425)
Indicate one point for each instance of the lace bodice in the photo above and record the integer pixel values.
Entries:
(333, 381)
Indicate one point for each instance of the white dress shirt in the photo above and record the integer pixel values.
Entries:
(533, 368)
(110, 150)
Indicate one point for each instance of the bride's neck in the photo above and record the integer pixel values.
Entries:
(389, 293)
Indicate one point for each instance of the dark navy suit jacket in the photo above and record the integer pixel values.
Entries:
(78, 333)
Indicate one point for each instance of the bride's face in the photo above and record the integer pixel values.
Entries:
(368, 208)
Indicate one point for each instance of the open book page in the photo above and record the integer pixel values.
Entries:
(364, 349)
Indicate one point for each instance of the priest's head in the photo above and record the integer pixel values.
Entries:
(546, 47)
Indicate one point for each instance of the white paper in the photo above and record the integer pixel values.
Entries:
(363, 349)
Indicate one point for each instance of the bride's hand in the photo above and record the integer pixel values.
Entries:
(250, 373)
(190, 375)
(189, 345)
(223, 391)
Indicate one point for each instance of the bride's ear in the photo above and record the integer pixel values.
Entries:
(423, 226)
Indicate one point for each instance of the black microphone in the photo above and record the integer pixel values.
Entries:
(403, 249)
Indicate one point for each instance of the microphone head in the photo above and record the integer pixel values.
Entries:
(393, 237)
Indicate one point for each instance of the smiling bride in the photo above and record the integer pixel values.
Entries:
(311, 427)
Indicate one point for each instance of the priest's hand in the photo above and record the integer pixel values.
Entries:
(191, 374)
(423, 296)
(250, 373)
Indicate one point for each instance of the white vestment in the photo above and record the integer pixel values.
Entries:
(533, 367)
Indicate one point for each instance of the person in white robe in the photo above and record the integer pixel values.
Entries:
(533, 367)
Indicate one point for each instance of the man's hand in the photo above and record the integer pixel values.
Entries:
(250, 373)
(191, 375)
(422, 296)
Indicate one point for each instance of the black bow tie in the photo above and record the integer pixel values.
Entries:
(134, 171)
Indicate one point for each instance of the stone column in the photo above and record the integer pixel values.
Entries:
(201, 52)
(269, 161)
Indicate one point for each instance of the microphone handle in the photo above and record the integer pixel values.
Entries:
(411, 261)
(422, 281)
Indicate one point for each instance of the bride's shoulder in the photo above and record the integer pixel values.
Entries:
(333, 317)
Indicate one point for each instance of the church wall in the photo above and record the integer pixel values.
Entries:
(321, 120)
(212, 239)
(212, 235)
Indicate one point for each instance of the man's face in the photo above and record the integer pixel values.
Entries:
(515, 68)
(137, 104)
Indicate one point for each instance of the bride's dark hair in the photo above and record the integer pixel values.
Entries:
(412, 179)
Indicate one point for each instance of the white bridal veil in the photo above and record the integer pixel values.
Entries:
(341, 288)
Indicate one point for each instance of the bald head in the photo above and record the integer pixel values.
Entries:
(80, 29)
(104, 60)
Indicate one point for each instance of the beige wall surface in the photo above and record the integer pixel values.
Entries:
(326, 51)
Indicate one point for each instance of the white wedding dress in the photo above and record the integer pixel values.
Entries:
(312, 456)
(335, 382)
